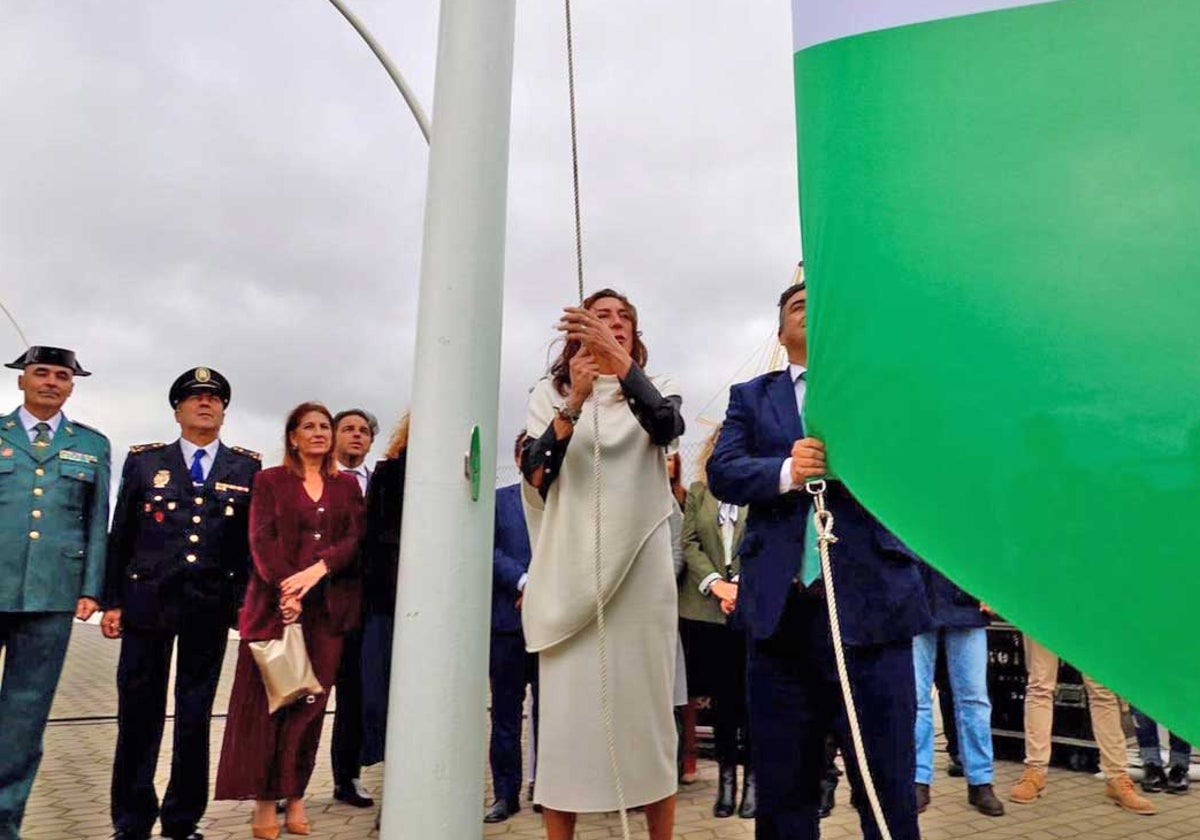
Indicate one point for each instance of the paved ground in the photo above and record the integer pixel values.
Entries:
(70, 799)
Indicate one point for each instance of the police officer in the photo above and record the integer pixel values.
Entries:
(54, 496)
(178, 560)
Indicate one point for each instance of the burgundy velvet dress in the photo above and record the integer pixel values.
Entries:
(265, 756)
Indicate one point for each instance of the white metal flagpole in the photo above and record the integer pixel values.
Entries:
(434, 771)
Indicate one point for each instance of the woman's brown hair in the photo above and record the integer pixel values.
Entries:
(399, 440)
(291, 458)
(560, 370)
(706, 451)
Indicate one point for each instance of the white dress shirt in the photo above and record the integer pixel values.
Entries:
(786, 485)
(189, 452)
(29, 421)
(361, 474)
(727, 515)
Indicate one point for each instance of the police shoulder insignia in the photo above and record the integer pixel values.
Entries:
(138, 448)
(249, 453)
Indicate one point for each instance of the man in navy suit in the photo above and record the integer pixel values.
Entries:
(510, 667)
(763, 460)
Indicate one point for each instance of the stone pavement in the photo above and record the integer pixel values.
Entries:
(70, 798)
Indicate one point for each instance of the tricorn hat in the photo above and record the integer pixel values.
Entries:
(199, 380)
(36, 355)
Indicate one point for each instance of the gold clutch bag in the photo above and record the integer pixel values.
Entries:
(287, 673)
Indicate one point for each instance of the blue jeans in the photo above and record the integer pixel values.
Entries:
(1151, 750)
(966, 658)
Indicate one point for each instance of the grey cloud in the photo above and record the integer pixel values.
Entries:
(238, 185)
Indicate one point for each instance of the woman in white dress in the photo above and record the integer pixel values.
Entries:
(601, 365)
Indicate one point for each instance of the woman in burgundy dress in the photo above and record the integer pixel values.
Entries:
(305, 523)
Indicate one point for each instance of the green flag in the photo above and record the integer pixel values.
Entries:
(1001, 214)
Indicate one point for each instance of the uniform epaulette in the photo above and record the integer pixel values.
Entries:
(249, 453)
(138, 448)
(91, 429)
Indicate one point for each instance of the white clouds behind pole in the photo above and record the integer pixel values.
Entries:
(239, 185)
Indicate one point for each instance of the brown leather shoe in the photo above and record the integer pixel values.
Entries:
(1029, 787)
(1120, 789)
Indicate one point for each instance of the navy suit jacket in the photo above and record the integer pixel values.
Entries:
(510, 559)
(951, 607)
(879, 592)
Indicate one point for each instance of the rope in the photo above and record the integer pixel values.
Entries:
(606, 711)
(823, 520)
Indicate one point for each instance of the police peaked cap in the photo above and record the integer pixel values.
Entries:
(36, 355)
(199, 380)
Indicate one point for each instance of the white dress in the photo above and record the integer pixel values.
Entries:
(574, 771)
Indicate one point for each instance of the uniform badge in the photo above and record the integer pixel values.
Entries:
(6, 452)
(229, 510)
(159, 516)
(161, 478)
(170, 506)
(203, 374)
(146, 507)
(222, 487)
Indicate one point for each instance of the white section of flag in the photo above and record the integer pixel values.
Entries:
(818, 21)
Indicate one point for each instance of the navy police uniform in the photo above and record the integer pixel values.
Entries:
(178, 562)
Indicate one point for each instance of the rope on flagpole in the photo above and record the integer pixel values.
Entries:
(823, 520)
(13, 321)
(606, 710)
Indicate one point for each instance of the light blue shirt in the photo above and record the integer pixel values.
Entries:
(189, 452)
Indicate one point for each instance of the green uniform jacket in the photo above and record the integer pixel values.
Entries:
(53, 517)
(704, 553)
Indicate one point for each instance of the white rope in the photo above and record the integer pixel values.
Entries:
(823, 519)
(606, 711)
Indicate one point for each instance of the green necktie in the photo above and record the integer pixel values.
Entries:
(42, 438)
(810, 565)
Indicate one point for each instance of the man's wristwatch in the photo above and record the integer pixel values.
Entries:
(571, 416)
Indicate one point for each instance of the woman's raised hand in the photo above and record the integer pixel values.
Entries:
(598, 337)
(584, 371)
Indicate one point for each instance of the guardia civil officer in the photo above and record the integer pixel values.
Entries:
(178, 560)
(54, 500)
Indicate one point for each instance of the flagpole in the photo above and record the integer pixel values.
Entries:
(433, 784)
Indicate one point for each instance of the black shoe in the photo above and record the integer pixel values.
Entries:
(501, 810)
(726, 791)
(1177, 779)
(130, 834)
(984, 800)
(353, 794)
(955, 769)
(923, 797)
(1154, 780)
(749, 806)
(827, 799)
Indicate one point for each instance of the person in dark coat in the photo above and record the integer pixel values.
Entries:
(510, 667)
(763, 459)
(960, 621)
(178, 560)
(381, 560)
(305, 525)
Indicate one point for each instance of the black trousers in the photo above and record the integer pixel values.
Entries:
(795, 700)
(510, 669)
(142, 675)
(345, 751)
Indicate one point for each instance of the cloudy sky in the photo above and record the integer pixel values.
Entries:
(238, 185)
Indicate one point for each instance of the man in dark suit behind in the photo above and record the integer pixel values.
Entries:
(510, 666)
(178, 560)
(763, 460)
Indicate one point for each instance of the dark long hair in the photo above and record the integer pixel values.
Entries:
(291, 458)
(560, 369)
